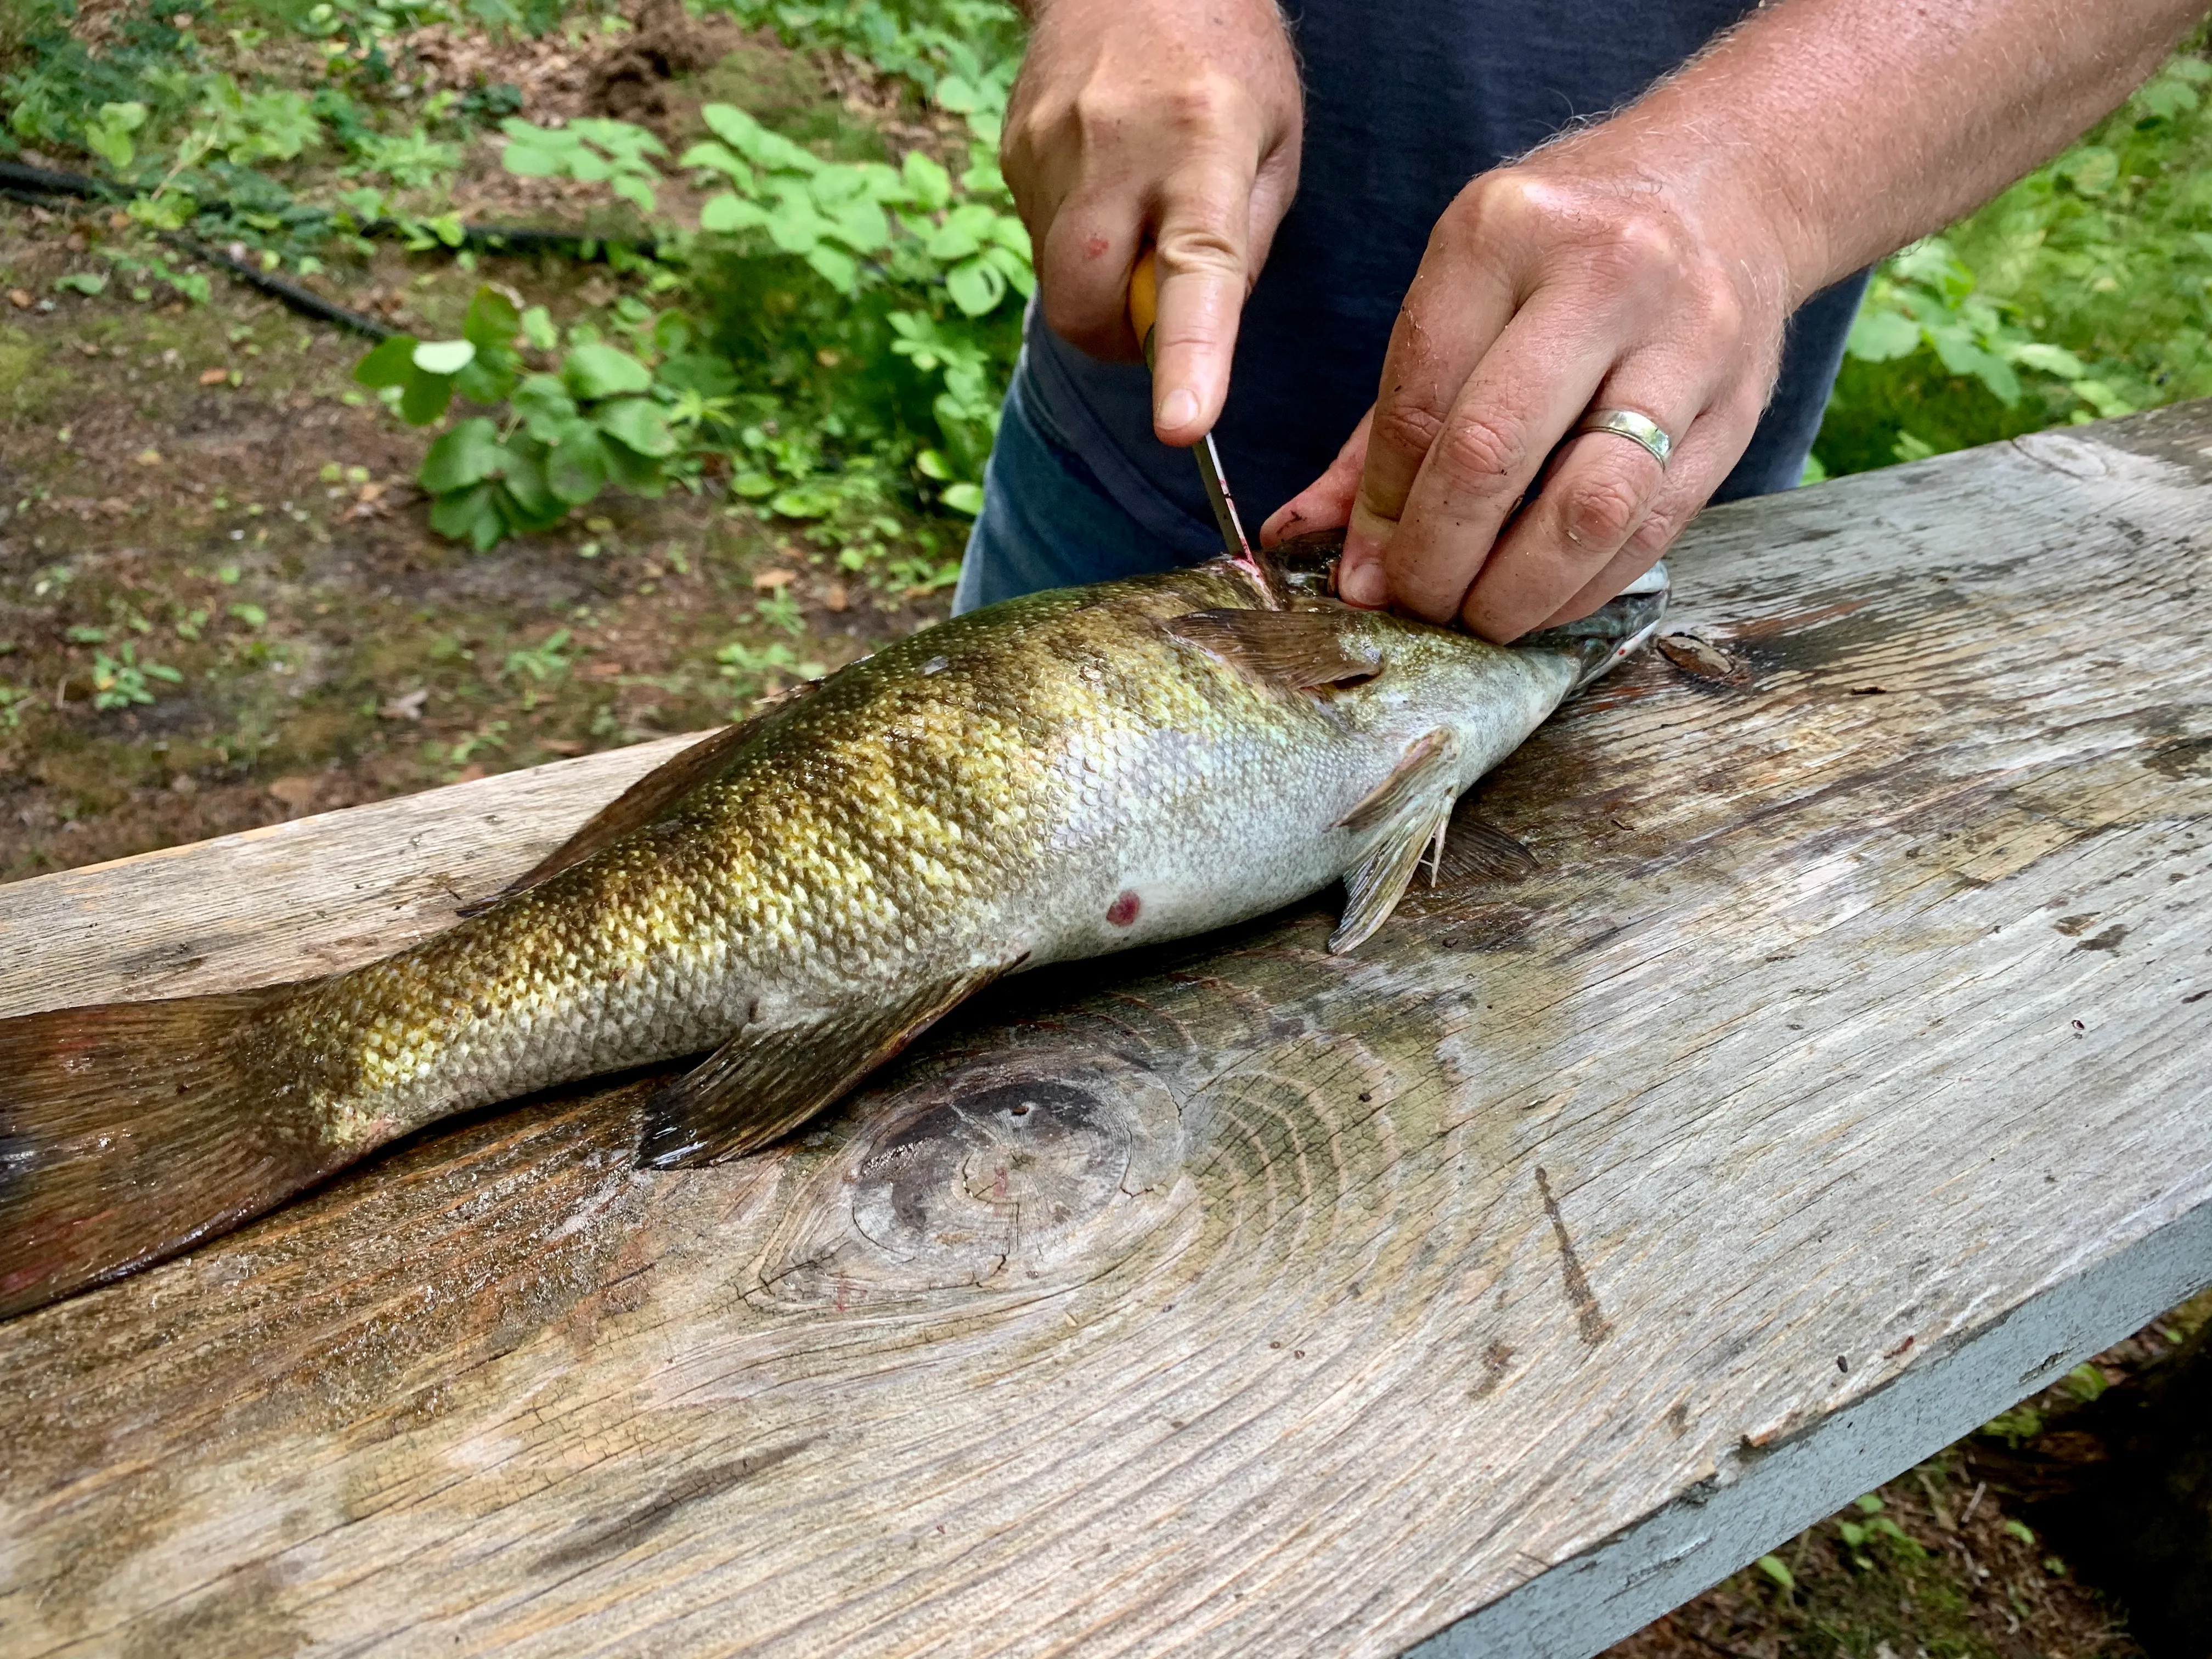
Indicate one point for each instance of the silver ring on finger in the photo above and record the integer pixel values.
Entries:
(1636, 428)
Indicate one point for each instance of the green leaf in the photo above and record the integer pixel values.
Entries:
(964, 498)
(638, 422)
(926, 177)
(252, 615)
(538, 328)
(2021, 1530)
(392, 363)
(545, 406)
(862, 225)
(2049, 359)
(721, 159)
(603, 371)
(425, 398)
(1878, 337)
(492, 321)
(794, 225)
(727, 213)
(959, 94)
(468, 454)
(444, 357)
(577, 469)
(1779, 1570)
(489, 379)
(638, 474)
(976, 286)
(535, 505)
(840, 269)
(472, 516)
(82, 282)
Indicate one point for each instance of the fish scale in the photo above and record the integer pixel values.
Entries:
(1059, 776)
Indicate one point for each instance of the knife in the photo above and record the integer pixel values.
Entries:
(1144, 316)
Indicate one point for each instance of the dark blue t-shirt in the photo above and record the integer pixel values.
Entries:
(1405, 101)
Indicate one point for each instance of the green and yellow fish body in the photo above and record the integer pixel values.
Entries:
(1056, 777)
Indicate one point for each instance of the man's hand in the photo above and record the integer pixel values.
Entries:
(1651, 263)
(1138, 119)
(1569, 282)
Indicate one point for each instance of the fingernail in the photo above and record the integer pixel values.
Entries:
(1178, 408)
(1360, 581)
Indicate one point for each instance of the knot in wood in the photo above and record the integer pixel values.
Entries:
(987, 1171)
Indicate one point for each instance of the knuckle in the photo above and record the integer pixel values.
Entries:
(1406, 427)
(1202, 105)
(1602, 511)
(1481, 452)
(1652, 537)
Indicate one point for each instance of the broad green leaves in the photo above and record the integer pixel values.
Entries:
(613, 153)
(839, 216)
(568, 436)
(108, 135)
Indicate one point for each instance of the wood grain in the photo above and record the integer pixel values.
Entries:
(1236, 1298)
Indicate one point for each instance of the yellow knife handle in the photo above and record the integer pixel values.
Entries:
(1145, 298)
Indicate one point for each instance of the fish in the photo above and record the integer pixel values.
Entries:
(797, 897)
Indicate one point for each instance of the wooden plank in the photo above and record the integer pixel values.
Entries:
(1846, 1038)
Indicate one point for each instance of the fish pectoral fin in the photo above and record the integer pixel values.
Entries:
(1298, 650)
(640, 805)
(1411, 809)
(759, 1086)
(1475, 851)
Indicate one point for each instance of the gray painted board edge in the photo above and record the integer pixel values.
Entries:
(1586, 1603)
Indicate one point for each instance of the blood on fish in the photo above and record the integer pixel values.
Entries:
(1123, 911)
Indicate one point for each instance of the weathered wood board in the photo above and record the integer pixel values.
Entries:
(1573, 1242)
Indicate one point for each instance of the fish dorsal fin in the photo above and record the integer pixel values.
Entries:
(1409, 811)
(1298, 650)
(640, 804)
(760, 1085)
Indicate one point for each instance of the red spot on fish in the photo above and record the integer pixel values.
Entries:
(1123, 911)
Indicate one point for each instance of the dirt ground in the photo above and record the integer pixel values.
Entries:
(201, 495)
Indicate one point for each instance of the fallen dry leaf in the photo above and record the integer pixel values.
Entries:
(471, 773)
(837, 598)
(295, 793)
(214, 376)
(19, 298)
(150, 456)
(561, 747)
(408, 707)
(775, 577)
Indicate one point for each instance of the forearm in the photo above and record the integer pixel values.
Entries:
(1860, 125)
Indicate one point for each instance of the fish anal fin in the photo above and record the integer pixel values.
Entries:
(1476, 851)
(1408, 812)
(760, 1085)
(1302, 650)
(640, 805)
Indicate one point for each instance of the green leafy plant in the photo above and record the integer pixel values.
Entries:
(2080, 292)
(613, 153)
(120, 680)
(107, 135)
(566, 436)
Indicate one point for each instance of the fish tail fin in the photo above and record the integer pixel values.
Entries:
(130, 1130)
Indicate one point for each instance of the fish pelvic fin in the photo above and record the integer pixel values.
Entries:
(1476, 851)
(644, 802)
(129, 1131)
(1296, 650)
(1410, 810)
(760, 1085)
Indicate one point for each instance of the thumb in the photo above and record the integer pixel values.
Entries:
(1204, 277)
